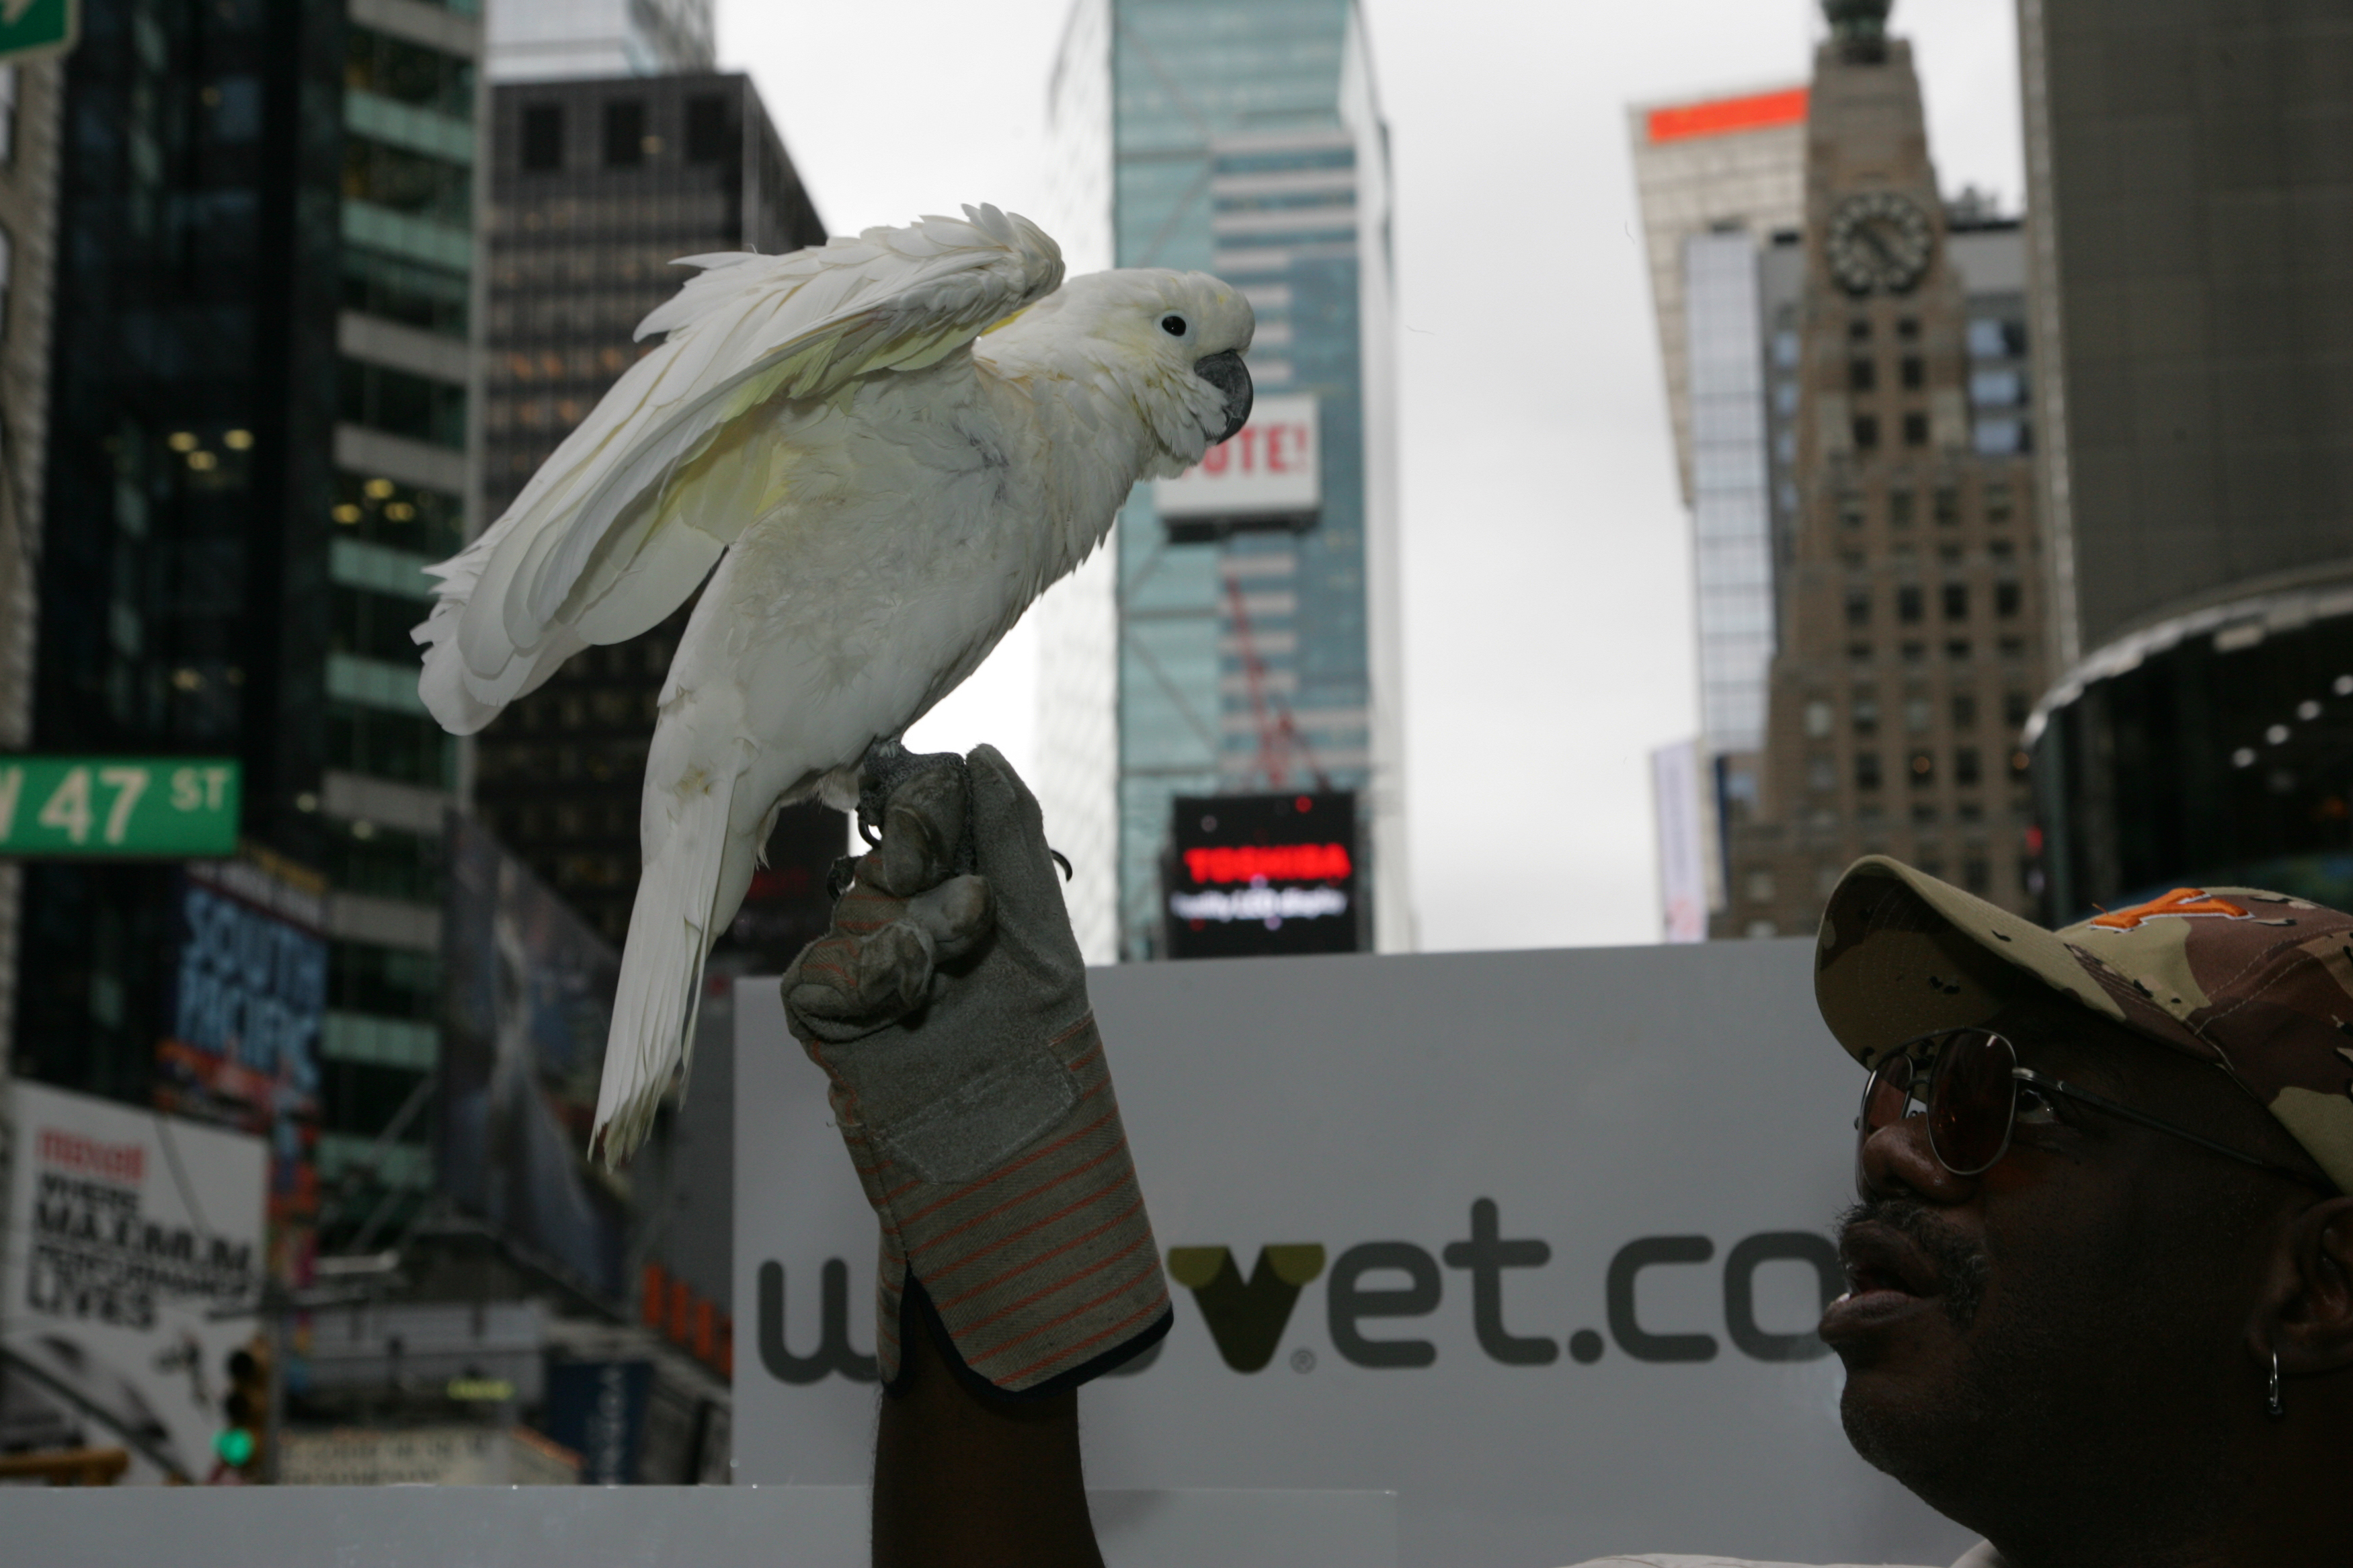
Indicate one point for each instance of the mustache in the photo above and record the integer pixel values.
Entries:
(1962, 1267)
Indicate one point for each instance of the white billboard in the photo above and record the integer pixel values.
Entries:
(127, 1229)
(1537, 1239)
(1272, 467)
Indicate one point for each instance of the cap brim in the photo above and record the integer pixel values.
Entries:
(1903, 954)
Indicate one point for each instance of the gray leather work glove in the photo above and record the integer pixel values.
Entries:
(950, 1013)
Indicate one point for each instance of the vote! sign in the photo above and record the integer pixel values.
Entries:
(1270, 469)
(1537, 1240)
(157, 809)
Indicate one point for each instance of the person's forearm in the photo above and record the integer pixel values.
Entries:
(966, 1480)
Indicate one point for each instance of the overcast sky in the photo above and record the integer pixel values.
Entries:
(1549, 628)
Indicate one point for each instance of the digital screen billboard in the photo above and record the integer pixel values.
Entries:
(527, 999)
(1250, 875)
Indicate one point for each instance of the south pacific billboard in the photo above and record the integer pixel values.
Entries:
(1536, 1240)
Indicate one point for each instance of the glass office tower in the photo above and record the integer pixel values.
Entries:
(1244, 140)
(262, 432)
(534, 40)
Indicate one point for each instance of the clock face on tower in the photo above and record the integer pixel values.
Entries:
(1879, 242)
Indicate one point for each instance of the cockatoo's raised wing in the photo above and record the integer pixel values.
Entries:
(600, 546)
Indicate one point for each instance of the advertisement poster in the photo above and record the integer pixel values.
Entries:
(127, 1230)
(249, 1001)
(1535, 1239)
(527, 998)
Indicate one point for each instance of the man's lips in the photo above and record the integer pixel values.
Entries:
(1888, 1277)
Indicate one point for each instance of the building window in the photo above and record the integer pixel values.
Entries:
(1917, 715)
(542, 137)
(706, 129)
(1957, 649)
(1760, 887)
(1914, 373)
(1821, 773)
(1924, 815)
(1858, 331)
(1859, 651)
(1909, 604)
(2007, 598)
(1899, 509)
(1866, 712)
(1821, 718)
(1858, 606)
(1914, 652)
(1965, 710)
(1849, 505)
(1975, 875)
(1956, 600)
(1862, 374)
(625, 132)
(1923, 768)
(1947, 506)
(1908, 327)
(1866, 432)
(1915, 429)
(1866, 770)
(1965, 766)
(2014, 709)
(1996, 502)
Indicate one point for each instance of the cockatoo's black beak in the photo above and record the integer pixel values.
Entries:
(1226, 373)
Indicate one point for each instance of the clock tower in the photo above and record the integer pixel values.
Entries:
(1910, 645)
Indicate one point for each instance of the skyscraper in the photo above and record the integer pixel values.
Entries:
(263, 433)
(553, 39)
(1719, 181)
(2193, 302)
(1908, 642)
(599, 186)
(29, 96)
(1216, 654)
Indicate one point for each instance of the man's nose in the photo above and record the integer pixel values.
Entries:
(1897, 1161)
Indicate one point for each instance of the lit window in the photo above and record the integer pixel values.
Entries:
(1821, 718)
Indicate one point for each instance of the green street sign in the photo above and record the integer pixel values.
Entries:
(156, 808)
(32, 29)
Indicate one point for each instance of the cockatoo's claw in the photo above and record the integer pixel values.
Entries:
(1062, 860)
(837, 879)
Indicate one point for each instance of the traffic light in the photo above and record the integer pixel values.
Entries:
(242, 1444)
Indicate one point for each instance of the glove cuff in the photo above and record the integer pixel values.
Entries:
(1044, 1271)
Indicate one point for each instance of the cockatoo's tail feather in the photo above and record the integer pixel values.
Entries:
(671, 927)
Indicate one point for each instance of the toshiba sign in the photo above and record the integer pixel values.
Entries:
(1269, 473)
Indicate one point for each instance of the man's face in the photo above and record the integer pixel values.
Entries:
(2021, 1339)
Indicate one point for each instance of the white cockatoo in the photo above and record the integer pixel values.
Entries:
(888, 446)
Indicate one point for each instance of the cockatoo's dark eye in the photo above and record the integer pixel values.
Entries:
(1173, 325)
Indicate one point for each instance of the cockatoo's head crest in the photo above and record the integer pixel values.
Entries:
(1170, 344)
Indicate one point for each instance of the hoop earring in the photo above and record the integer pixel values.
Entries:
(2273, 1405)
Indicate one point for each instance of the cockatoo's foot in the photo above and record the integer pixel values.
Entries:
(887, 765)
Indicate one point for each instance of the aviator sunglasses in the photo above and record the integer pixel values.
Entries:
(1968, 1085)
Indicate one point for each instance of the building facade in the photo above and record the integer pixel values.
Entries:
(30, 100)
(2193, 178)
(1246, 141)
(599, 186)
(262, 434)
(532, 40)
(1909, 640)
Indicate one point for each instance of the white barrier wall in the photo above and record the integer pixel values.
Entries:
(1535, 1239)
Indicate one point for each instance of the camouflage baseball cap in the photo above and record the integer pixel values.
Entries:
(2258, 983)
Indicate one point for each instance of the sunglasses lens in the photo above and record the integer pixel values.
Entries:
(1969, 1100)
